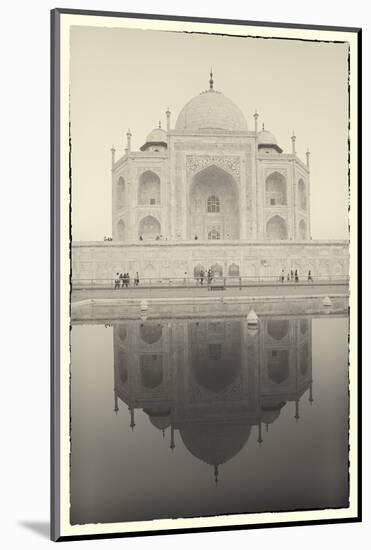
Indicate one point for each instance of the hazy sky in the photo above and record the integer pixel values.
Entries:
(124, 79)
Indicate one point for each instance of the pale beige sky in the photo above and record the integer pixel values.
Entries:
(123, 78)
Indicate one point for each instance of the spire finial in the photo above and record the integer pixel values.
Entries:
(216, 473)
(211, 81)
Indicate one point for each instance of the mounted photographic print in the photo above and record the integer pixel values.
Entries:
(205, 270)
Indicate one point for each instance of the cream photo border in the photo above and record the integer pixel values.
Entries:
(62, 485)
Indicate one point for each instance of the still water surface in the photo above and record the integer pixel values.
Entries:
(195, 417)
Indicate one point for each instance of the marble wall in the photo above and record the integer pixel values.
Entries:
(163, 259)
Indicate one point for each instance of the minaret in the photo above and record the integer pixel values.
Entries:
(128, 136)
(113, 151)
(307, 154)
(168, 113)
(293, 139)
(256, 117)
(211, 81)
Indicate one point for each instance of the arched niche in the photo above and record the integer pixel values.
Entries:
(234, 270)
(278, 365)
(150, 332)
(302, 195)
(213, 205)
(197, 270)
(122, 332)
(151, 370)
(121, 190)
(121, 230)
(149, 228)
(278, 328)
(302, 230)
(217, 270)
(275, 190)
(276, 229)
(149, 188)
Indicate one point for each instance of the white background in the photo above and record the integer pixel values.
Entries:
(24, 219)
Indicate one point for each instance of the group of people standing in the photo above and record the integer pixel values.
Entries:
(293, 276)
(123, 280)
(205, 276)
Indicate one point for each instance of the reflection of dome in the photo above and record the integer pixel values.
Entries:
(211, 110)
(159, 418)
(214, 443)
(271, 412)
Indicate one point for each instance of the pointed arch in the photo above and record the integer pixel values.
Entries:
(149, 228)
(276, 229)
(149, 188)
(275, 190)
(302, 194)
(121, 231)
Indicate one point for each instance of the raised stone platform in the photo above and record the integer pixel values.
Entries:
(165, 259)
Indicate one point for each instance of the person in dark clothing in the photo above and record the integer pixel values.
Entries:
(288, 277)
(202, 275)
(127, 280)
(310, 276)
(292, 275)
(121, 280)
(136, 280)
(296, 276)
(117, 281)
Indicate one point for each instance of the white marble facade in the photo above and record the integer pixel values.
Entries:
(209, 191)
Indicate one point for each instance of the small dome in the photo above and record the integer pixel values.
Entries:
(211, 110)
(160, 422)
(266, 138)
(158, 135)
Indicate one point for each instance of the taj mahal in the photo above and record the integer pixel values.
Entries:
(210, 191)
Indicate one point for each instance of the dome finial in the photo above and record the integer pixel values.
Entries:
(216, 474)
(263, 126)
(159, 124)
(211, 81)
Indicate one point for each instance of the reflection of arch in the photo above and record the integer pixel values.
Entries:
(197, 270)
(278, 328)
(120, 192)
(149, 188)
(122, 332)
(302, 230)
(213, 204)
(150, 332)
(121, 231)
(217, 270)
(278, 365)
(233, 270)
(149, 228)
(304, 356)
(122, 359)
(276, 229)
(303, 326)
(302, 194)
(275, 189)
(151, 370)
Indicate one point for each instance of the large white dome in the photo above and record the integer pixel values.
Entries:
(211, 110)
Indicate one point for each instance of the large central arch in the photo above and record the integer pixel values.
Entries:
(213, 212)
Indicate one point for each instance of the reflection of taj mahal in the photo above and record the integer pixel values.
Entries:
(210, 178)
(209, 191)
(212, 381)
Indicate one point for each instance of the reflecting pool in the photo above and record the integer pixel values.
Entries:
(195, 417)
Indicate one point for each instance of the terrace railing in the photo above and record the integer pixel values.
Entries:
(195, 282)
